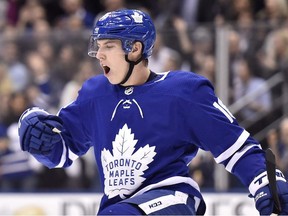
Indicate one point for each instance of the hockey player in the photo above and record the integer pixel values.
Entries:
(145, 128)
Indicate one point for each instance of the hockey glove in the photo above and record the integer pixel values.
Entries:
(263, 197)
(39, 131)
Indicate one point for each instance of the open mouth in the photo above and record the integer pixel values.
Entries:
(106, 69)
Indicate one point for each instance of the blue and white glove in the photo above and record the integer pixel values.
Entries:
(39, 131)
(259, 189)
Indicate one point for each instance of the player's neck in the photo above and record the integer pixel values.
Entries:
(139, 76)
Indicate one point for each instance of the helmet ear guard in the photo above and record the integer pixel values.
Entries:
(127, 45)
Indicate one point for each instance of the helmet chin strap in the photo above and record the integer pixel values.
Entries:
(131, 67)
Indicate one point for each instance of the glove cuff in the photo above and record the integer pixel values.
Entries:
(32, 110)
(262, 180)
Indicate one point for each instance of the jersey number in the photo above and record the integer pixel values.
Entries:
(220, 106)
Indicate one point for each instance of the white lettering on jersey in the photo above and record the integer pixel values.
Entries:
(220, 106)
(123, 168)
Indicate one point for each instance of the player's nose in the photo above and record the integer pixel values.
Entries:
(100, 55)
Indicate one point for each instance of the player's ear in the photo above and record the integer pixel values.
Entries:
(136, 51)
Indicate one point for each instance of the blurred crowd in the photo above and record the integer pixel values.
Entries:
(43, 62)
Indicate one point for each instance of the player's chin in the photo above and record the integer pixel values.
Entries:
(111, 79)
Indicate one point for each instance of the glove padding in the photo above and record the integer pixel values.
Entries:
(264, 201)
(35, 131)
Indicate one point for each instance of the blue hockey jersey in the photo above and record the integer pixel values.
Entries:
(145, 136)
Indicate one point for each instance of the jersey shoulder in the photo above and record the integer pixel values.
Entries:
(189, 82)
(187, 77)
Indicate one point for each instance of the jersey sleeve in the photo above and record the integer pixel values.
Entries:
(216, 130)
(75, 141)
(75, 133)
(79, 122)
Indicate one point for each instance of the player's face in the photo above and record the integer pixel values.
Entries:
(112, 60)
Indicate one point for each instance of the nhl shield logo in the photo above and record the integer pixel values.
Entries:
(128, 90)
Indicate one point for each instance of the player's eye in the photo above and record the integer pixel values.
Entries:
(109, 46)
(105, 47)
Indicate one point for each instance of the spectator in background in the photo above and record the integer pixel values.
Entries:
(17, 102)
(280, 50)
(30, 26)
(194, 13)
(272, 142)
(19, 172)
(274, 14)
(42, 30)
(235, 48)
(282, 146)
(193, 46)
(174, 28)
(174, 62)
(162, 55)
(255, 88)
(17, 71)
(11, 11)
(202, 45)
(3, 15)
(66, 65)
(85, 70)
(242, 20)
(110, 5)
(274, 54)
(202, 169)
(48, 88)
(83, 174)
(4, 144)
(207, 68)
(17, 169)
(246, 38)
(74, 11)
(6, 85)
(238, 8)
(29, 14)
(6, 88)
(45, 48)
(181, 27)
(235, 53)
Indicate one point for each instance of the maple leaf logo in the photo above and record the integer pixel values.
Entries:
(138, 18)
(123, 169)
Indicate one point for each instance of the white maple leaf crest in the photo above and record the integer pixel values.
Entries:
(138, 18)
(124, 169)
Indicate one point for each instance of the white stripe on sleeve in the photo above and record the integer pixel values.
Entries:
(238, 155)
(230, 151)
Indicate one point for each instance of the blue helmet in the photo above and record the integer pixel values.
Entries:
(126, 25)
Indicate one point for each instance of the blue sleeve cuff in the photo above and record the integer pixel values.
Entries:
(251, 164)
